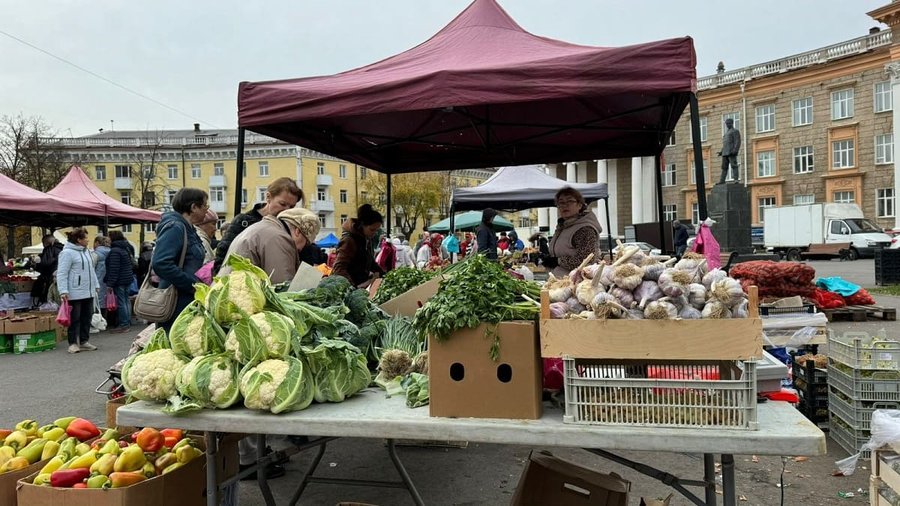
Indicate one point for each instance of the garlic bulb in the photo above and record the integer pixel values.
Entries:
(696, 295)
(674, 282)
(591, 270)
(607, 306)
(647, 291)
(716, 310)
(728, 291)
(694, 264)
(560, 289)
(574, 305)
(586, 315)
(558, 310)
(661, 309)
(712, 276)
(624, 296)
(741, 310)
(634, 314)
(689, 313)
(628, 276)
(587, 290)
(638, 258)
(606, 275)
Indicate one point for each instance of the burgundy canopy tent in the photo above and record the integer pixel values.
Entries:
(484, 92)
(22, 205)
(78, 187)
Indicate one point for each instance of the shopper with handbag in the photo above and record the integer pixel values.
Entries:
(78, 286)
(119, 275)
(177, 256)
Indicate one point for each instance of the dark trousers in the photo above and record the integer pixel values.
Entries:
(729, 161)
(82, 311)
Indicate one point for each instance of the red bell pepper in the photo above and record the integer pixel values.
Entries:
(82, 429)
(172, 437)
(66, 478)
(80, 485)
(150, 439)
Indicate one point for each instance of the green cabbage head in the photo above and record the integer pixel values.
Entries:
(278, 385)
(339, 370)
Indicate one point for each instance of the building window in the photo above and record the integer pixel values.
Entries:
(322, 220)
(884, 148)
(804, 200)
(195, 171)
(100, 172)
(123, 171)
(704, 130)
(343, 196)
(844, 197)
(320, 168)
(261, 194)
(148, 172)
(364, 197)
(126, 229)
(668, 175)
(670, 212)
(883, 99)
(263, 169)
(173, 171)
(765, 202)
(218, 169)
(343, 218)
(150, 227)
(671, 141)
(885, 202)
(244, 195)
(803, 160)
(149, 200)
(320, 193)
(695, 214)
(170, 194)
(842, 104)
(342, 171)
(842, 154)
(765, 118)
(244, 169)
(802, 112)
(217, 194)
(734, 116)
(125, 197)
(694, 172)
(363, 172)
(765, 164)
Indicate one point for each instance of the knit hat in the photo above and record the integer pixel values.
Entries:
(305, 220)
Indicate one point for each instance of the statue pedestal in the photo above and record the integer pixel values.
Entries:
(729, 206)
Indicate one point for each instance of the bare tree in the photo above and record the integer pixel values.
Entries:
(147, 181)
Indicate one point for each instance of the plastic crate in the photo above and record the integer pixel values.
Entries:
(857, 414)
(813, 389)
(772, 310)
(858, 350)
(705, 394)
(851, 440)
(810, 373)
(865, 385)
(815, 415)
(813, 401)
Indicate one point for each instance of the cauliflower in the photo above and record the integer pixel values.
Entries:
(238, 295)
(194, 334)
(245, 343)
(275, 329)
(151, 376)
(221, 381)
(210, 381)
(278, 385)
(193, 337)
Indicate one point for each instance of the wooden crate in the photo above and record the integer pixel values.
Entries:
(729, 339)
(883, 471)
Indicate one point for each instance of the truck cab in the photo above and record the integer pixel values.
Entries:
(864, 235)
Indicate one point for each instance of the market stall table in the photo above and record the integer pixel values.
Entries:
(782, 431)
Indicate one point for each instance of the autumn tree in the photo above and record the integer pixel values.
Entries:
(414, 196)
(146, 177)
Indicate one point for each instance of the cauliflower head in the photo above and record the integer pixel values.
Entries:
(245, 342)
(278, 385)
(194, 334)
(210, 381)
(275, 330)
(258, 391)
(151, 376)
(236, 296)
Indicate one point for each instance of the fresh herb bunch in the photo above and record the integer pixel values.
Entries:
(399, 281)
(480, 291)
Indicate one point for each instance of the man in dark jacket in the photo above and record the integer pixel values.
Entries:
(680, 237)
(485, 236)
(313, 255)
(119, 276)
(143, 266)
(49, 261)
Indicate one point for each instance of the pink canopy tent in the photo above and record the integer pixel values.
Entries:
(483, 92)
(78, 187)
(22, 205)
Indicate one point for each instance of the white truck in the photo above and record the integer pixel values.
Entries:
(791, 230)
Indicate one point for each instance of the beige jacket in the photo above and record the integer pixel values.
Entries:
(268, 245)
(208, 253)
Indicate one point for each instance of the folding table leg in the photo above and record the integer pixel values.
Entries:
(392, 451)
(307, 476)
(709, 476)
(212, 487)
(728, 490)
(261, 477)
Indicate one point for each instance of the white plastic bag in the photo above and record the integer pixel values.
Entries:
(885, 431)
(526, 273)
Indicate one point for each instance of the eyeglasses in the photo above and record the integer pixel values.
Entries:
(566, 202)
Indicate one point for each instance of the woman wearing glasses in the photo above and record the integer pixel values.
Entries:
(577, 233)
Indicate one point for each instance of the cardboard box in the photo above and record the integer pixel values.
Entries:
(112, 406)
(465, 382)
(8, 482)
(409, 302)
(34, 343)
(184, 487)
(550, 480)
(26, 324)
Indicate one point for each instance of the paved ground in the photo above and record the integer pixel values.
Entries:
(49, 385)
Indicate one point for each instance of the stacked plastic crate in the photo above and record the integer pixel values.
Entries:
(811, 383)
(863, 375)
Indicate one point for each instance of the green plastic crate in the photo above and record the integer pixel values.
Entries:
(34, 343)
(6, 343)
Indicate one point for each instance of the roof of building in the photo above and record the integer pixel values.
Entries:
(131, 134)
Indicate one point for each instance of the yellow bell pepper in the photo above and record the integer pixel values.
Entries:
(165, 461)
(67, 449)
(42, 479)
(55, 464)
(17, 439)
(149, 470)
(82, 448)
(85, 461)
(55, 434)
(63, 423)
(98, 481)
(44, 428)
(6, 453)
(186, 454)
(111, 447)
(51, 448)
(14, 464)
(29, 427)
(104, 464)
(131, 459)
(124, 479)
(33, 451)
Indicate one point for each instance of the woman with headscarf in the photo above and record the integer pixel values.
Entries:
(354, 259)
(486, 238)
(577, 233)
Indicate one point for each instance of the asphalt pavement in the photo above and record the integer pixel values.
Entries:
(52, 384)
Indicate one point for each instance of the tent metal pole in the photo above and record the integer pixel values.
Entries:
(609, 236)
(239, 177)
(388, 209)
(660, 215)
(452, 217)
(698, 157)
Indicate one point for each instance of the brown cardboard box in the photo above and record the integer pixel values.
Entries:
(26, 324)
(465, 382)
(8, 482)
(407, 304)
(112, 406)
(550, 480)
(184, 487)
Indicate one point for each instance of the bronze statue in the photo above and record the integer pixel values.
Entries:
(731, 144)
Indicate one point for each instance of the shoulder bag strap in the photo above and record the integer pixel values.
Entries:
(183, 249)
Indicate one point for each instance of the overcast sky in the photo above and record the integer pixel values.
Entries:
(191, 55)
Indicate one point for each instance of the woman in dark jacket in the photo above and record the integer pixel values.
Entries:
(119, 276)
(354, 258)
(189, 208)
(485, 236)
